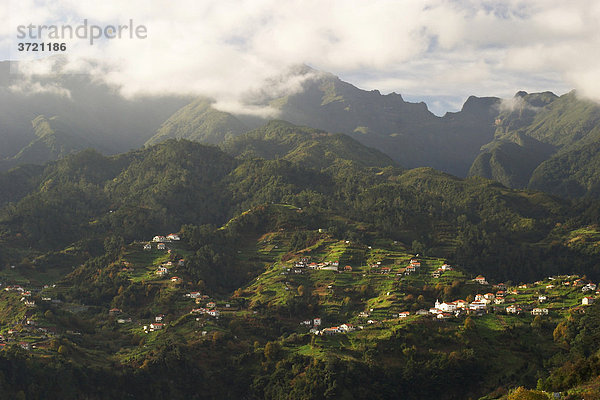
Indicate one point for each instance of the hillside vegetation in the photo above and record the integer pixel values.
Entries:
(544, 142)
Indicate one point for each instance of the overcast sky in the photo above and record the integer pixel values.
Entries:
(435, 51)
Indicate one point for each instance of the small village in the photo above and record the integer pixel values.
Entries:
(552, 296)
(538, 299)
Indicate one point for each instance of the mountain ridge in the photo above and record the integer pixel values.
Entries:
(524, 142)
(311, 147)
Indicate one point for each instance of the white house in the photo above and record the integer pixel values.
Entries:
(539, 311)
(477, 305)
(174, 237)
(586, 301)
(513, 309)
(448, 307)
(588, 287)
(330, 331)
(161, 246)
(461, 304)
(481, 280)
(147, 247)
(159, 239)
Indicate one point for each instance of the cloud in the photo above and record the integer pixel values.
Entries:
(232, 49)
(516, 103)
(27, 86)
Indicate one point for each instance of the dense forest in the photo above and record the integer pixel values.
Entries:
(482, 225)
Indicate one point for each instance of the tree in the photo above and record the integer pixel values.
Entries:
(560, 334)
(272, 351)
(418, 247)
(448, 290)
(521, 393)
(469, 324)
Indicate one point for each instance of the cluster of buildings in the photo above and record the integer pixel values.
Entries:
(460, 307)
(26, 328)
(437, 273)
(161, 241)
(172, 237)
(210, 308)
(413, 266)
(154, 326)
(213, 312)
(482, 301)
(343, 328)
(305, 264)
(316, 322)
(164, 268)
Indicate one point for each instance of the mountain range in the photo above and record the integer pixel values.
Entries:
(407, 132)
(539, 141)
